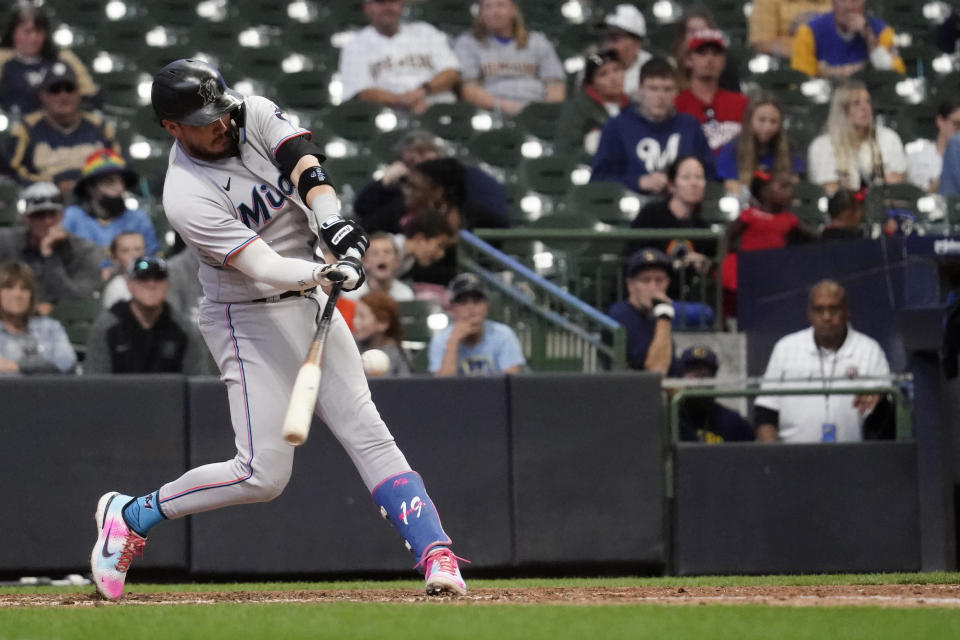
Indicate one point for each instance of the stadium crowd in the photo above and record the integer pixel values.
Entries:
(673, 114)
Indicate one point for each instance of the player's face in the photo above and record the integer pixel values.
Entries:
(690, 182)
(381, 261)
(707, 61)
(765, 123)
(15, 300)
(643, 287)
(384, 15)
(129, 247)
(608, 81)
(61, 100)
(149, 293)
(214, 141)
(365, 323)
(657, 96)
(860, 111)
(498, 16)
(28, 39)
(39, 223)
(828, 315)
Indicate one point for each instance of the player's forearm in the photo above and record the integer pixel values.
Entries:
(258, 261)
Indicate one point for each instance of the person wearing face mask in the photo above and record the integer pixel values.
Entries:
(101, 212)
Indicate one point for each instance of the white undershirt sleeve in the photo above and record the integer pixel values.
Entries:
(258, 261)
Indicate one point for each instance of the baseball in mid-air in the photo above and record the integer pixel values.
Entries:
(375, 362)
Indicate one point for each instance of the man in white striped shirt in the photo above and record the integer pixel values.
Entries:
(403, 66)
(829, 348)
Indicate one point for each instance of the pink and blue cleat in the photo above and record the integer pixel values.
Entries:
(443, 573)
(116, 546)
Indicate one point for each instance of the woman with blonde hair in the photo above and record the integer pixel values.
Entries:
(376, 325)
(29, 343)
(762, 144)
(503, 66)
(855, 150)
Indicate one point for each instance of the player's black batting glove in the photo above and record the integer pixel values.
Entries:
(343, 235)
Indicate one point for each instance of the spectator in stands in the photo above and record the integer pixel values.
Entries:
(101, 212)
(697, 18)
(829, 349)
(703, 419)
(424, 240)
(774, 23)
(855, 150)
(925, 157)
(638, 145)
(762, 144)
(600, 97)
(768, 224)
(472, 344)
(376, 325)
(29, 343)
(719, 111)
(407, 66)
(624, 31)
(142, 335)
(380, 264)
(846, 215)
(838, 44)
(948, 32)
(686, 183)
(52, 144)
(647, 313)
(124, 249)
(380, 204)
(64, 265)
(503, 66)
(27, 52)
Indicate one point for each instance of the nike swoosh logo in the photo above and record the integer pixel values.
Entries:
(227, 186)
(105, 552)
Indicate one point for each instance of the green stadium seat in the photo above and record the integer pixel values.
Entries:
(259, 12)
(450, 16)
(413, 319)
(86, 14)
(602, 200)
(452, 122)
(548, 175)
(355, 120)
(539, 119)
(120, 89)
(77, 316)
(355, 171)
(308, 90)
(9, 195)
(499, 148)
(173, 13)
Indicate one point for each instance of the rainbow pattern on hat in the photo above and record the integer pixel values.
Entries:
(102, 161)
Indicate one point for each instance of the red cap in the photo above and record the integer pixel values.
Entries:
(706, 36)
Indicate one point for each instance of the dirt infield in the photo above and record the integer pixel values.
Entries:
(846, 595)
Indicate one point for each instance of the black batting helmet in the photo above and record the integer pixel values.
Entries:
(192, 92)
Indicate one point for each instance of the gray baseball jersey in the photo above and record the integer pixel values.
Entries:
(414, 55)
(508, 71)
(220, 207)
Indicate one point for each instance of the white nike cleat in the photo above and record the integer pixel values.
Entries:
(443, 574)
(116, 546)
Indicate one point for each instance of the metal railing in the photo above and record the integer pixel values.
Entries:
(588, 262)
(893, 386)
(556, 330)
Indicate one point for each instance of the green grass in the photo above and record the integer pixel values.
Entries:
(448, 621)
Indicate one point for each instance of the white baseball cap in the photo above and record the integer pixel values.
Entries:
(40, 196)
(627, 18)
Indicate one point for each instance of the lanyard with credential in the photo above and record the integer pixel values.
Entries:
(826, 381)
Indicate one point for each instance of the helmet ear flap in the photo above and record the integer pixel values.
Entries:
(239, 116)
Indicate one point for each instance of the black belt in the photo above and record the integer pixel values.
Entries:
(286, 294)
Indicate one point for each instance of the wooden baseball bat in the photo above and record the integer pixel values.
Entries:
(303, 398)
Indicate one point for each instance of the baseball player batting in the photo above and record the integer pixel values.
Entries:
(245, 189)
